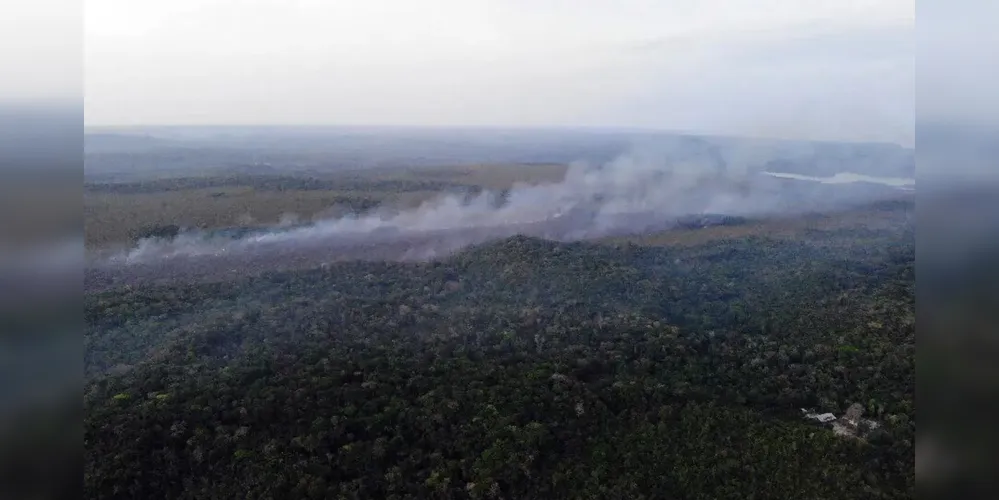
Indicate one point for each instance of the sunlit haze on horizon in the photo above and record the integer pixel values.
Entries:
(808, 69)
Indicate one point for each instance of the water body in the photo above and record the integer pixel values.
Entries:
(903, 183)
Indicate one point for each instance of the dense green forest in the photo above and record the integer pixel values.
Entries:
(523, 368)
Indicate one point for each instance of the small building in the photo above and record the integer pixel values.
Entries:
(823, 418)
(851, 425)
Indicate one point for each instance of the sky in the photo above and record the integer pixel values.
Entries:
(958, 68)
(40, 50)
(827, 69)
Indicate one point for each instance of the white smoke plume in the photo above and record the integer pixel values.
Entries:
(649, 187)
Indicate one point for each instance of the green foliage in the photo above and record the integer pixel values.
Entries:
(520, 369)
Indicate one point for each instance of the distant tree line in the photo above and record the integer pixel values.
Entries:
(270, 183)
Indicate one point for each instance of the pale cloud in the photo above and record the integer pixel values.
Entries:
(826, 69)
(958, 50)
(40, 57)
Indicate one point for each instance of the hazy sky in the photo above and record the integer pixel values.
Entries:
(792, 68)
(958, 70)
(40, 50)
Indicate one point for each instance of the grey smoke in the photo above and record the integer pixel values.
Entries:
(648, 188)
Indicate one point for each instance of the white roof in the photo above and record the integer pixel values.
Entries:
(825, 417)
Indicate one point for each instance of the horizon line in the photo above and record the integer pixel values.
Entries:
(576, 128)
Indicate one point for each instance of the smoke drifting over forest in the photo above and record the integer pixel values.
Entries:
(650, 187)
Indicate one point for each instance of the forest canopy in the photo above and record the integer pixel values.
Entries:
(522, 368)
